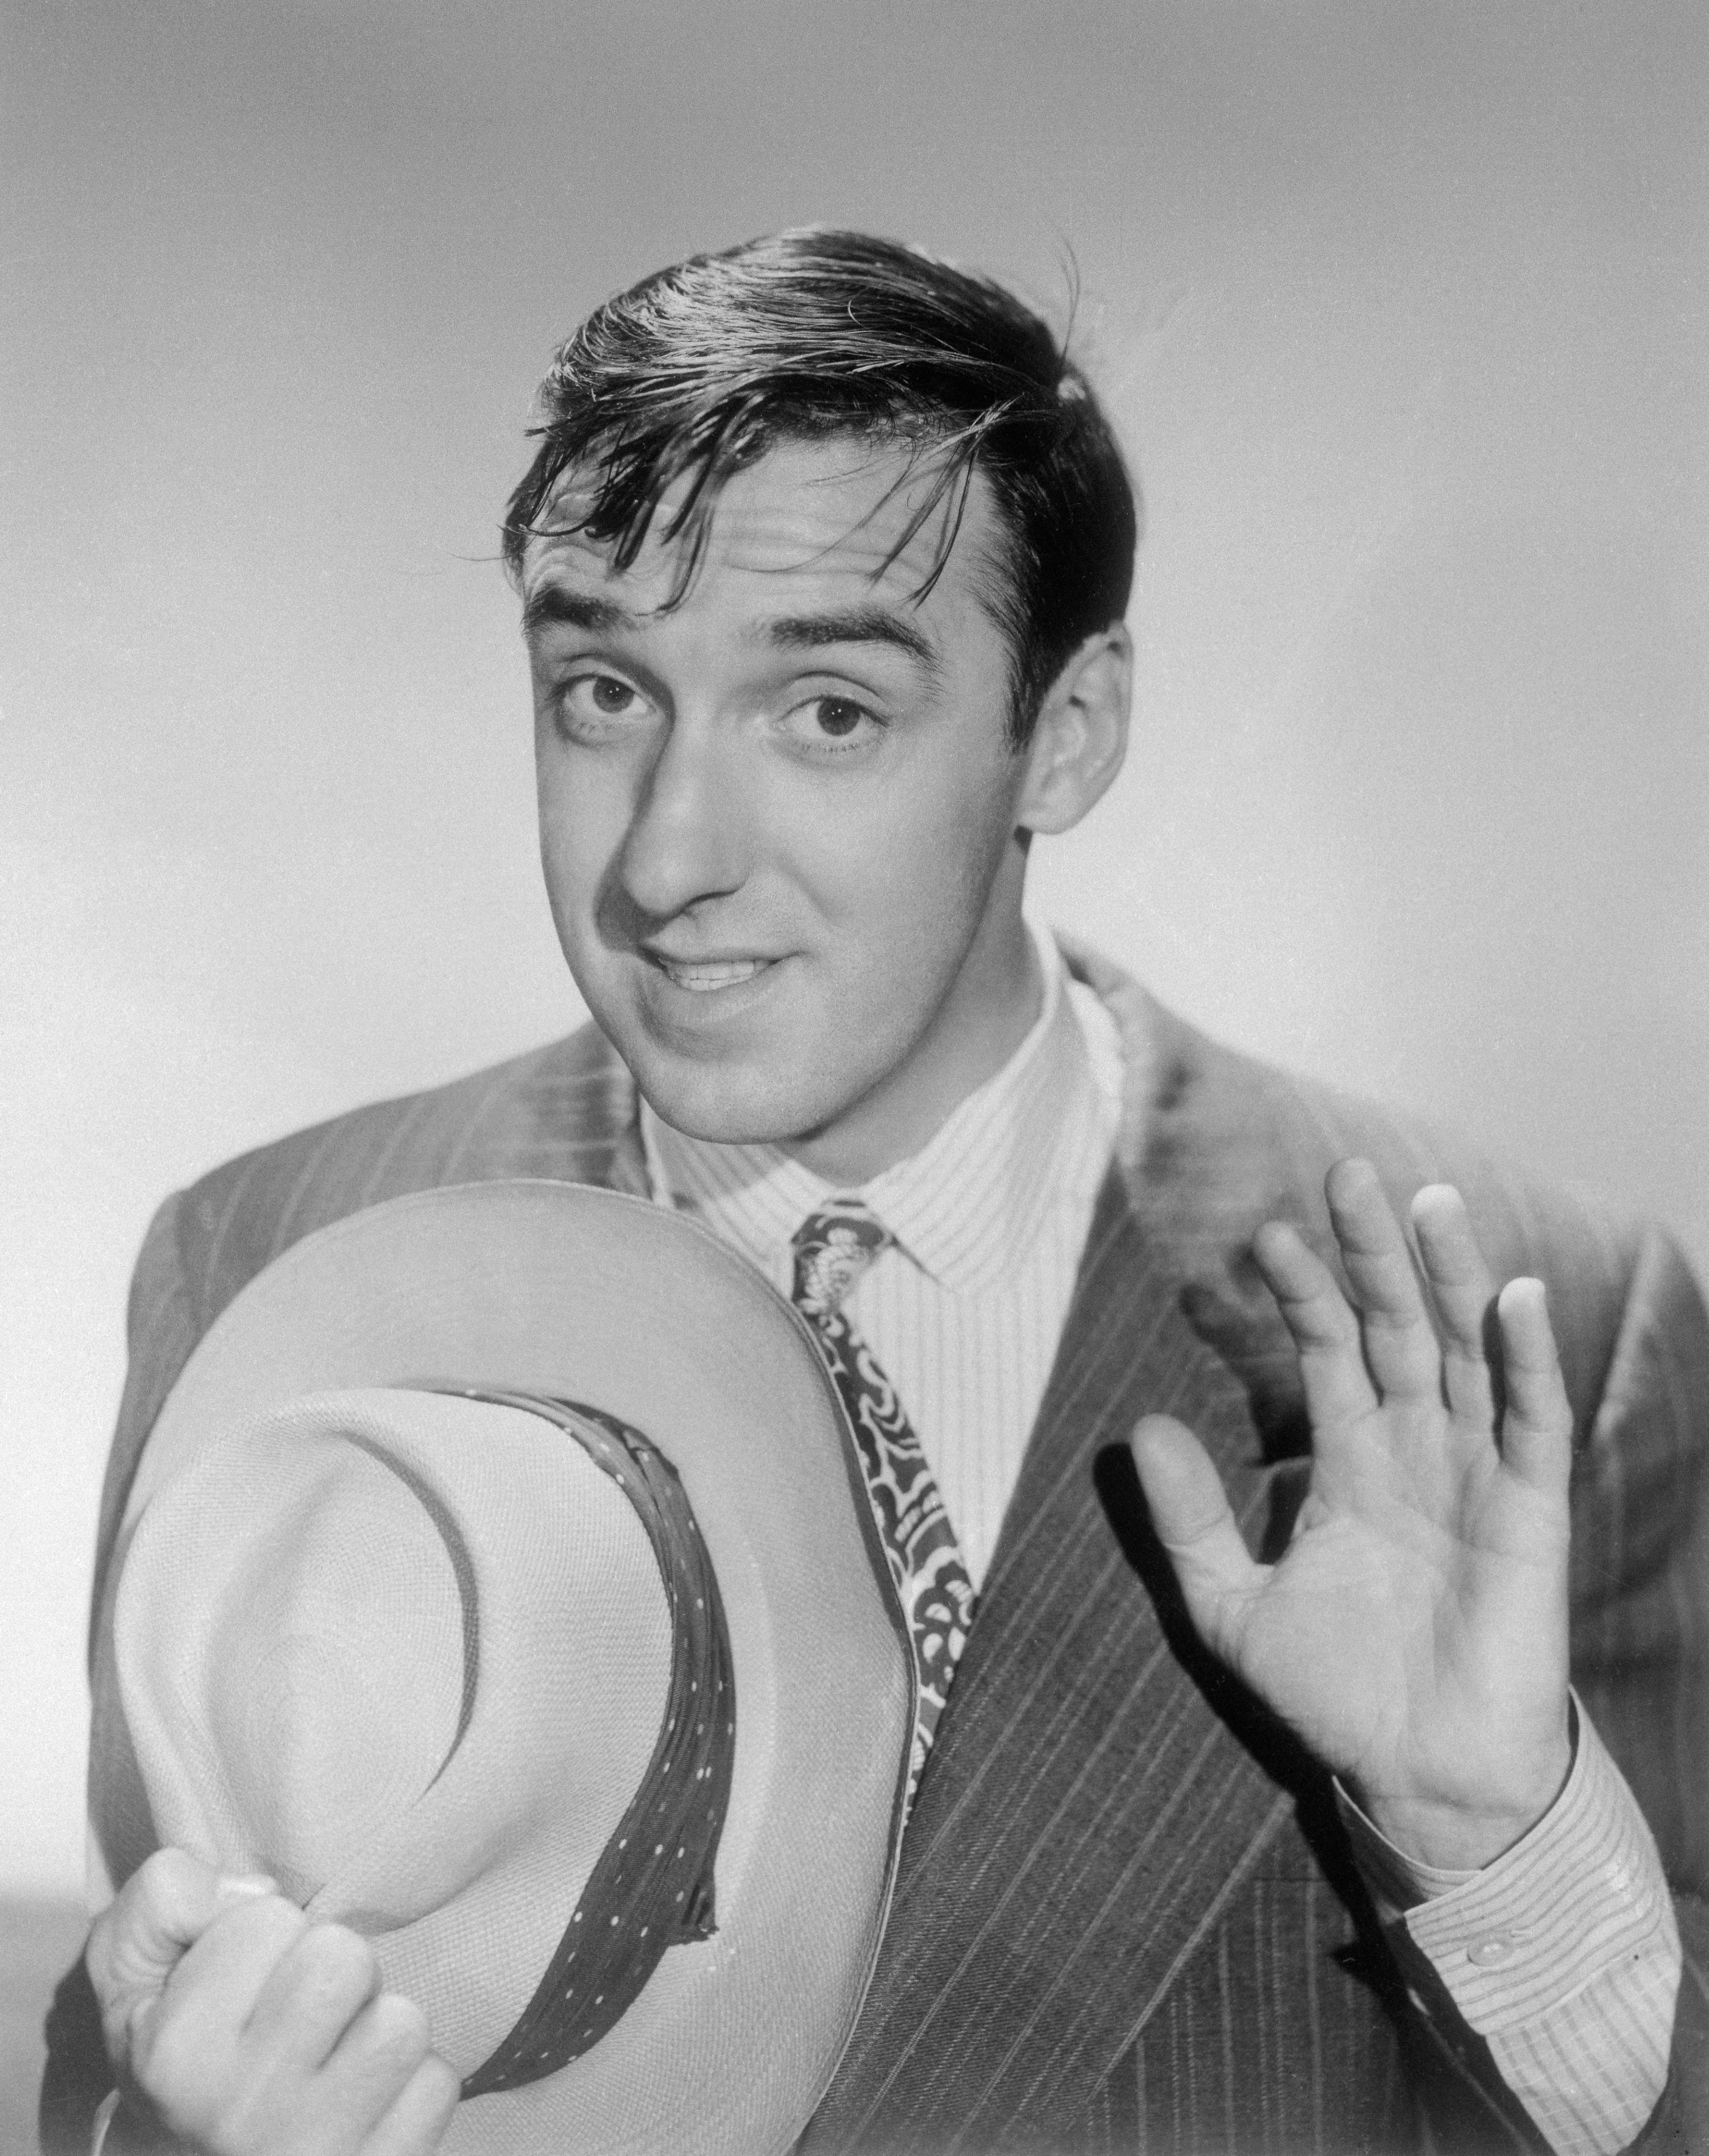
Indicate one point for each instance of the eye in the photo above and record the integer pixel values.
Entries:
(832, 722)
(605, 693)
(595, 702)
(838, 716)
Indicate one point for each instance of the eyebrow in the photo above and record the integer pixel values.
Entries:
(576, 609)
(867, 624)
(804, 632)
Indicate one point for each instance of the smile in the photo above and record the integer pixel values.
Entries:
(709, 974)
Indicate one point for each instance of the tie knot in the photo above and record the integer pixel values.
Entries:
(832, 1248)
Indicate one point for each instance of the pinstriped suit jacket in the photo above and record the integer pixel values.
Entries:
(1126, 1918)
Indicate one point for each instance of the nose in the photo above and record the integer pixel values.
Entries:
(687, 836)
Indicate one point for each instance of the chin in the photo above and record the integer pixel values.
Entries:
(729, 1107)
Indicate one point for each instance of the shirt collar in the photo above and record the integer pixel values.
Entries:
(966, 1207)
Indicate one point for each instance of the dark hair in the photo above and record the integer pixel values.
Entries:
(696, 371)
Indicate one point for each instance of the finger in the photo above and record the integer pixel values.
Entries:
(1323, 1324)
(1464, 1291)
(313, 1996)
(1190, 1511)
(1536, 1428)
(375, 2060)
(420, 2115)
(213, 1991)
(163, 1908)
(1400, 1345)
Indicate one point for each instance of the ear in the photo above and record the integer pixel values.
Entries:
(1081, 734)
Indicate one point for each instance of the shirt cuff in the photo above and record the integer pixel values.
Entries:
(1563, 1954)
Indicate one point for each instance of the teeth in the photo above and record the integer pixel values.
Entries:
(723, 974)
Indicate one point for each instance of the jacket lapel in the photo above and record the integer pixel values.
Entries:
(1099, 1788)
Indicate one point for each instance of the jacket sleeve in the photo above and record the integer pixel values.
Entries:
(1640, 1620)
(163, 1323)
(162, 1327)
(1635, 1338)
(1562, 1956)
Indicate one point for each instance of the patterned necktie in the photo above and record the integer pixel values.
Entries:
(832, 1248)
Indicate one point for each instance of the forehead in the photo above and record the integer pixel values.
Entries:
(828, 520)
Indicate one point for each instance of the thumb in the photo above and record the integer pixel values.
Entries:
(163, 1908)
(1190, 1511)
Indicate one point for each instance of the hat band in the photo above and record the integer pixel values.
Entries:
(653, 1885)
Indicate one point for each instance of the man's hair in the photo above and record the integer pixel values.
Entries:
(697, 371)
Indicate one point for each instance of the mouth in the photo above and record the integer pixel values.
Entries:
(707, 976)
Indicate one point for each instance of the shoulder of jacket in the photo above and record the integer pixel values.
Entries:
(558, 1111)
(1217, 1141)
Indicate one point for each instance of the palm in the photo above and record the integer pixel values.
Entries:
(1413, 1632)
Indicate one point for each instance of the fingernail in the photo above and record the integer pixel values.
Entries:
(245, 1886)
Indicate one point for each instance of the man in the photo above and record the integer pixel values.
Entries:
(824, 560)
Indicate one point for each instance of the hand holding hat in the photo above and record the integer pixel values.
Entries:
(187, 1963)
(142, 1936)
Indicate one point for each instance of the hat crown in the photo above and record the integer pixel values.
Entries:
(367, 1644)
(348, 1655)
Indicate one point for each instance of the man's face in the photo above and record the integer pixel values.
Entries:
(778, 819)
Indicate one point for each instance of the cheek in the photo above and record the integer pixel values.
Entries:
(908, 870)
(562, 854)
(581, 826)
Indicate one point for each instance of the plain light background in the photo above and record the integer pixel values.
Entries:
(1401, 310)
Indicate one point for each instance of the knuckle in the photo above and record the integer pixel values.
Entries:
(269, 1926)
(138, 1910)
(397, 2030)
(165, 1869)
(168, 1884)
(338, 1955)
(436, 2089)
(434, 2080)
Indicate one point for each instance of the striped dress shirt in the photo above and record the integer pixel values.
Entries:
(1562, 1955)
(965, 1307)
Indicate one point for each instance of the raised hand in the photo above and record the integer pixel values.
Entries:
(1413, 1634)
(240, 2029)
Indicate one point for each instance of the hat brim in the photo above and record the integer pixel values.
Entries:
(564, 1289)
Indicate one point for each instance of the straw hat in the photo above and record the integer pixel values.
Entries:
(609, 1646)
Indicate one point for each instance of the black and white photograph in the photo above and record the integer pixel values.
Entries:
(856, 991)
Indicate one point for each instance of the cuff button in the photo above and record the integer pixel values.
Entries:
(1485, 1953)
